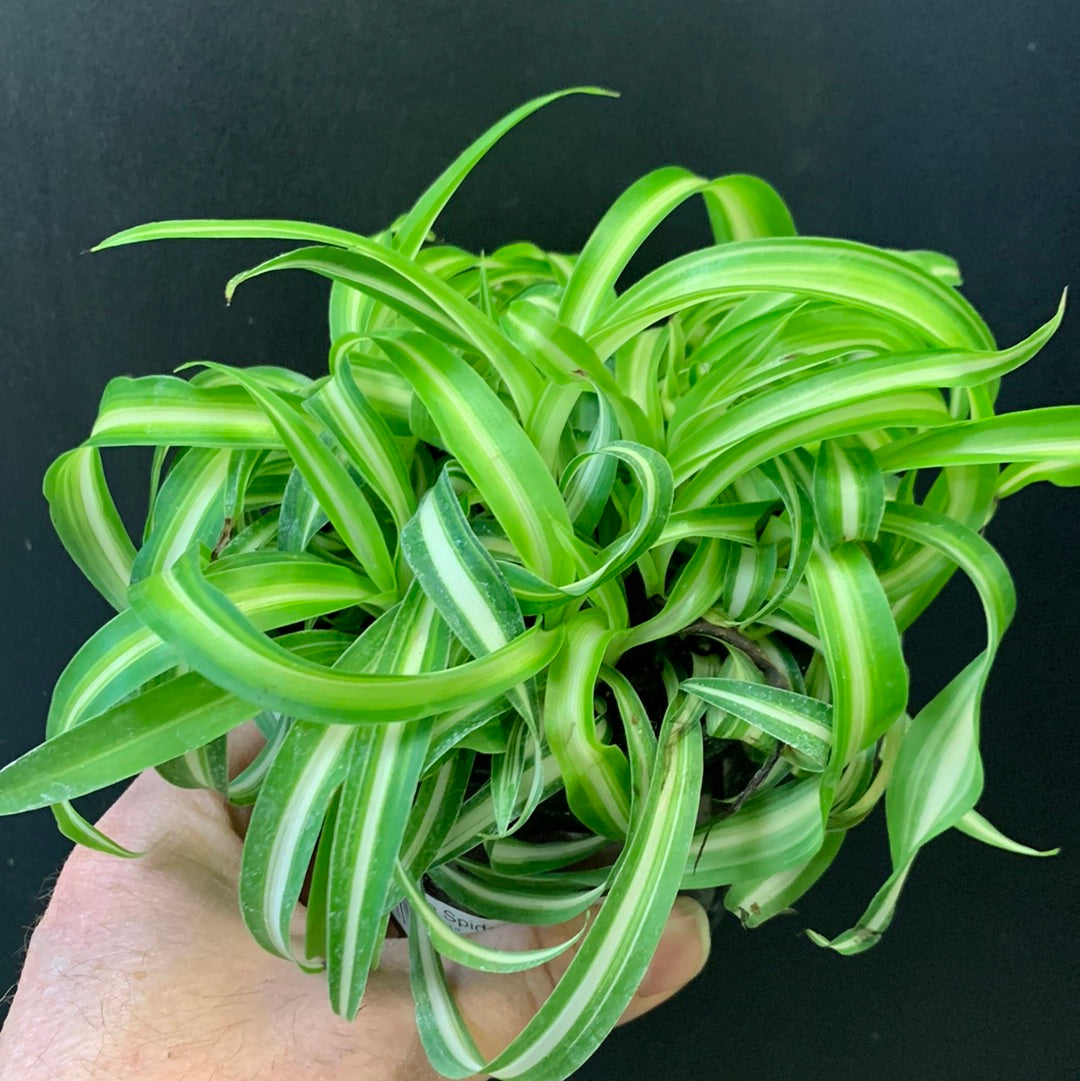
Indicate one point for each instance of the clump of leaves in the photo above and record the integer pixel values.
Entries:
(541, 571)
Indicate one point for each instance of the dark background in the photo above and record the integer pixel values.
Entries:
(904, 124)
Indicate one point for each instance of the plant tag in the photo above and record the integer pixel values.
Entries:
(463, 922)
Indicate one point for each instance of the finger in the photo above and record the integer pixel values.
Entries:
(190, 837)
(152, 808)
(681, 955)
(180, 831)
(176, 829)
(244, 743)
(498, 1007)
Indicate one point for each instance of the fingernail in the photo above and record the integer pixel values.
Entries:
(683, 950)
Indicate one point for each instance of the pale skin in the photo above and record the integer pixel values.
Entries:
(143, 969)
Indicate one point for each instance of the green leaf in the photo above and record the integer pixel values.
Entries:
(467, 951)
(159, 724)
(800, 722)
(497, 455)
(508, 771)
(464, 582)
(1034, 435)
(434, 811)
(617, 236)
(537, 900)
(367, 439)
(75, 828)
(773, 831)
(341, 498)
(909, 409)
(974, 825)
(189, 510)
(857, 380)
(787, 477)
(749, 572)
(865, 779)
(445, 1035)
(212, 636)
(416, 225)
(292, 802)
(943, 267)
(301, 516)
(272, 590)
(318, 907)
(743, 207)
(692, 594)
(587, 491)
(849, 493)
(88, 524)
(596, 775)
(637, 370)
(919, 572)
(738, 359)
(513, 857)
(615, 951)
(730, 521)
(383, 768)
(244, 788)
(162, 410)
(204, 767)
(756, 900)
(296, 802)
(375, 378)
(938, 776)
(431, 304)
(655, 488)
(477, 819)
(567, 359)
(638, 731)
(837, 270)
(105, 683)
(862, 649)
(1065, 474)
(480, 728)
(875, 921)
(230, 229)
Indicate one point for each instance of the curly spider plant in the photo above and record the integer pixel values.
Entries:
(550, 598)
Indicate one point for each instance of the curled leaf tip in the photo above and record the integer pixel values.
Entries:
(599, 91)
(110, 241)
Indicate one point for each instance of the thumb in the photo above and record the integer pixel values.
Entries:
(497, 1007)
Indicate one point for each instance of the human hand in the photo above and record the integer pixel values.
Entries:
(143, 969)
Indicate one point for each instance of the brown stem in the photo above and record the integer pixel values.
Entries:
(753, 784)
(223, 538)
(774, 676)
(751, 787)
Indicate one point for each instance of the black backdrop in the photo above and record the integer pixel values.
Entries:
(904, 124)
